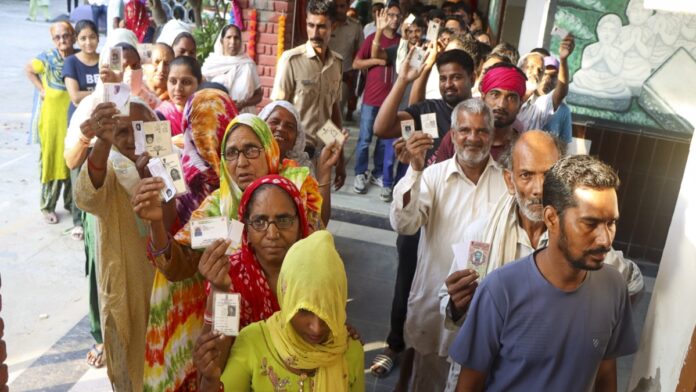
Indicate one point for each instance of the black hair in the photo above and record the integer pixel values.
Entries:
(86, 24)
(393, 3)
(461, 6)
(462, 26)
(457, 56)
(191, 63)
(472, 47)
(260, 190)
(165, 47)
(230, 26)
(183, 35)
(541, 51)
(436, 13)
(420, 22)
(484, 21)
(572, 172)
(212, 85)
(446, 5)
(321, 7)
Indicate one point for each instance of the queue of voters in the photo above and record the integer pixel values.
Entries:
(201, 186)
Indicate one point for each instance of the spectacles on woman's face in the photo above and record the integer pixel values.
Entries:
(249, 152)
(281, 222)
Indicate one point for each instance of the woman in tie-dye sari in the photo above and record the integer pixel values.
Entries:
(176, 308)
(249, 141)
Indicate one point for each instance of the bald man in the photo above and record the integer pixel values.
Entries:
(515, 228)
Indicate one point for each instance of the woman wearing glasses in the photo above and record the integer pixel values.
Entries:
(45, 72)
(248, 152)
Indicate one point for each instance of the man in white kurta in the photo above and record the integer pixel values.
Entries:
(442, 201)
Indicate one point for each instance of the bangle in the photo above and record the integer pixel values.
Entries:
(159, 252)
(208, 318)
(92, 166)
(325, 184)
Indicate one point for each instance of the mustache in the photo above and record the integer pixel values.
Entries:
(501, 112)
(317, 40)
(598, 251)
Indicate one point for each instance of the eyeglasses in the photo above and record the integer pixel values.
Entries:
(281, 222)
(63, 37)
(249, 152)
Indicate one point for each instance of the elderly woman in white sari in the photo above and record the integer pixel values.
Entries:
(231, 67)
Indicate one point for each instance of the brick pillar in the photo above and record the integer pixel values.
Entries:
(4, 374)
(267, 37)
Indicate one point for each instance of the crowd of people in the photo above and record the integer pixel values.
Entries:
(502, 239)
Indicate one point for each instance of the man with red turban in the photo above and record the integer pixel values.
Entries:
(502, 88)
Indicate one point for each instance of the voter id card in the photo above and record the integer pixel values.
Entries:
(226, 310)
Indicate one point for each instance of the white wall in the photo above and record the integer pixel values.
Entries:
(671, 316)
(533, 25)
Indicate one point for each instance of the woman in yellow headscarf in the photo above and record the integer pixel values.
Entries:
(303, 347)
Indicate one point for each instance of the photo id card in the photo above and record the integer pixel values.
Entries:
(478, 257)
(157, 169)
(235, 229)
(417, 57)
(145, 52)
(330, 132)
(429, 124)
(116, 59)
(226, 310)
(172, 165)
(407, 128)
(139, 136)
(559, 32)
(158, 138)
(409, 19)
(119, 95)
(433, 31)
(205, 231)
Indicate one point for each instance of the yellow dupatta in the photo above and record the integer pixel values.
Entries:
(313, 278)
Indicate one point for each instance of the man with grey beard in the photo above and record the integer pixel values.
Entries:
(441, 201)
(515, 229)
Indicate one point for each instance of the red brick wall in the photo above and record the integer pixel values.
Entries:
(267, 12)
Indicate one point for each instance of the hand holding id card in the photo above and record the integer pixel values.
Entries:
(473, 255)
(407, 128)
(205, 231)
(226, 309)
(330, 133)
(119, 95)
(429, 124)
(155, 137)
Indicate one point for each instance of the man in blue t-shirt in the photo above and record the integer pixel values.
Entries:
(555, 320)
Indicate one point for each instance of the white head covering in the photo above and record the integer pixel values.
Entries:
(117, 36)
(171, 30)
(297, 153)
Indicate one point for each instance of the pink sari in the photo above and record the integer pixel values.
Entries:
(170, 113)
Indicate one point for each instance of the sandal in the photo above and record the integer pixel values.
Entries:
(77, 233)
(383, 363)
(50, 217)
(95, 356)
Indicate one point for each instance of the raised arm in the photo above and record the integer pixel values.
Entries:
(387, 123)
(566, 49)
(419, 85)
